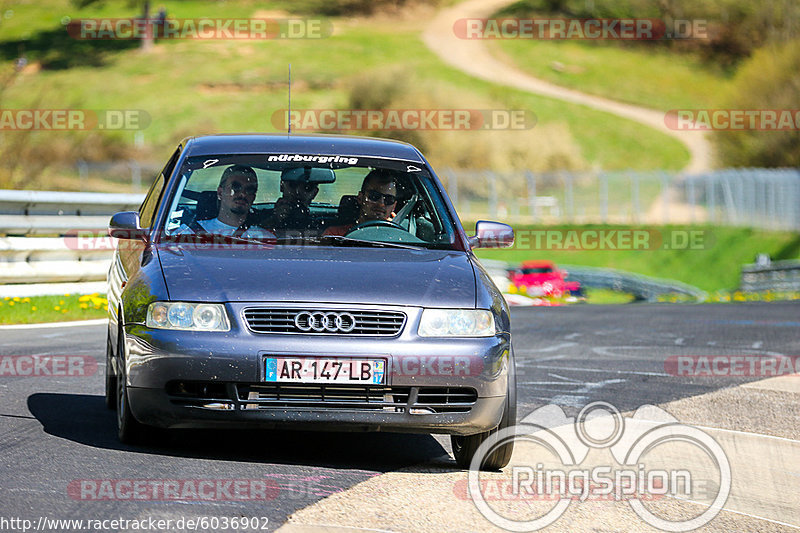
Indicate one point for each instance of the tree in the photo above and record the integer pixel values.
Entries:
(768, 80)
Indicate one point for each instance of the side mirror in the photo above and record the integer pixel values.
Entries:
(125, 225)
(492, 235)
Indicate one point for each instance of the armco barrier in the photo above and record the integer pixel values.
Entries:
(771, 276)
(642, 287)
(32, 229)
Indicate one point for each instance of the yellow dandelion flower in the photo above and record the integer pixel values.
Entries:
(26, 300)
(84, 306)
(63, 310)
(61, 302)
(58, 307)
(11, 303)
(16, 298)
(33, 308)
(85, 298)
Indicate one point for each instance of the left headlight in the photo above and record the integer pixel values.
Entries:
(187, 316)
(456, 323)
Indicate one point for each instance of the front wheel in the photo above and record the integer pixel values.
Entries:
(464, 447)
(111, 378)
(129, 430)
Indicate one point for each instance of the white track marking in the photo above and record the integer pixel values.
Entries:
(604, 371)
(550, 348)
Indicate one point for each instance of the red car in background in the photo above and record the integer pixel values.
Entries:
(542, 278)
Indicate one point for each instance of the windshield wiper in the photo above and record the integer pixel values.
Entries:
(215, 238)
(349, 241)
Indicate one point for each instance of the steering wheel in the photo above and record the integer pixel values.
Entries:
(404, 213)
(376, 224)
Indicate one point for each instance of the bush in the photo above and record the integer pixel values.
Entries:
(768, 80)
(735, 28)
(541, 148)
(344, 8)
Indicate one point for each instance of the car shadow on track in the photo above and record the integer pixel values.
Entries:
(84, 419)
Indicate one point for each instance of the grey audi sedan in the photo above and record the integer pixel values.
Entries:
(315, 282)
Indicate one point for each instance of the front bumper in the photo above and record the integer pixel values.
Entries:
(232, 364)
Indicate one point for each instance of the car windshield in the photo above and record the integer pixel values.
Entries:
(536, 270)
(335, 200)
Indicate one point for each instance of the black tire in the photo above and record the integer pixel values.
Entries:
(129, 430)
(111, 378)
(464, 447)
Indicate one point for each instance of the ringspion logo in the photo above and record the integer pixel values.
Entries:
(652, 456)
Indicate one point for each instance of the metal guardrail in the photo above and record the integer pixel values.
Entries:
(47, 212)
(642, 287)
(26, 256)
(771, 276)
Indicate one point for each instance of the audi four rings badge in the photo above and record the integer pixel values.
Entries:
(325, 321)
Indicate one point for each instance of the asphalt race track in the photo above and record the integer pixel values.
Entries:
(55, 432)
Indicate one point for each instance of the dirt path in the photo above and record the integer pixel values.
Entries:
(472, 57)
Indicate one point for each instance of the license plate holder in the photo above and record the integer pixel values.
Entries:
(324, 370)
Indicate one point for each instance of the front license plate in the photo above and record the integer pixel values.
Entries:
(325, 370)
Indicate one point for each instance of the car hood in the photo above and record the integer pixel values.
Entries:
(428, 278)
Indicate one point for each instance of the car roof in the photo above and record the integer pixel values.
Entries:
(306, 144)
(537, 264)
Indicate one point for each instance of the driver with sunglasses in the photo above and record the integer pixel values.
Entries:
(377, 200)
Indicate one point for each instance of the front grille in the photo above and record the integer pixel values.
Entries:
(360, 322)
(446, 399)
(288, 396)
(428, 399)
(324, 396)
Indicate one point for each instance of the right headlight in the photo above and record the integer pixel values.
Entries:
(456, 323)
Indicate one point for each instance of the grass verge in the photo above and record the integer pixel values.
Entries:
(713, 263)
(54, 308)
(649, 77)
